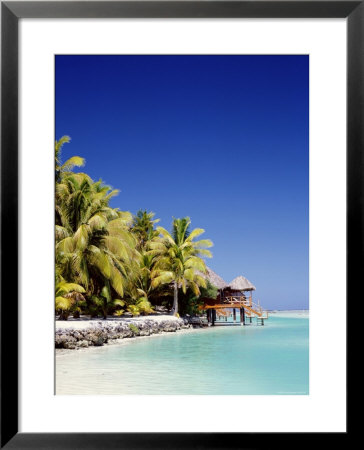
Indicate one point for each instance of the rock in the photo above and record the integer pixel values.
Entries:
(96, 339)
(60, 340)
(170, 327)
(69, 345)
(77, 335)
(98, 333)
(127, 333)
(144, 333)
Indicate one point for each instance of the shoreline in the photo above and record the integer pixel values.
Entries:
(178, 363)
(83, 333)
(60, 352)
(292, 313)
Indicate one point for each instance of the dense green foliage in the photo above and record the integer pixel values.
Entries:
(189, 302)
(109, 261)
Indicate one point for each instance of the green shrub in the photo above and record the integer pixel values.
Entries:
(144, 306)
(134, 310)
(134, 328)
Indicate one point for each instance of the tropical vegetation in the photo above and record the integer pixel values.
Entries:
(113, 262)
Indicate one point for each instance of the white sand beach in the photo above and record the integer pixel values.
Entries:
(85, 322)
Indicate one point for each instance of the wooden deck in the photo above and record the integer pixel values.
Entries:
(248, 310)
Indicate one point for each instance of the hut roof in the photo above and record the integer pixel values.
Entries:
(214, 278)
(241, 284)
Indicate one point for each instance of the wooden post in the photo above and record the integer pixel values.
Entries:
(213, 316)
(242, 316)
(234, 314)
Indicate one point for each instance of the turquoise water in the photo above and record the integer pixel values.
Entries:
(269, 359)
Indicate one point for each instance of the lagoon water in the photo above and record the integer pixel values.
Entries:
(239, 360)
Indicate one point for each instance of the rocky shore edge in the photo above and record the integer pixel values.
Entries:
(98, 333)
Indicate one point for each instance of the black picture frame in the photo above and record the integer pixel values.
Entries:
(11, 12)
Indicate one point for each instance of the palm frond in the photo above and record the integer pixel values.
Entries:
(100, 260)
(74, 161)
(61, 233)
(203, 243)
(58, 147)
(163, 278)
(117, 247)
(118, 302)
(116, 281)
(203, 252)
(81, 237)
(63, 288)
(201, 281)
(166, 235)
(195, 288)
(196, 263)
(194, 233)
(97, 221)
(63, 303)
(66, 245)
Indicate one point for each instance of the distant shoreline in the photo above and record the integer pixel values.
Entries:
(292, 313)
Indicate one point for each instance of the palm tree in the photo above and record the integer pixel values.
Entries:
(139, 283)
(97, 253)
(143, 228)
(179, 258)
(104, 300)
(107, 258)
(181, 229)
(67, 295)
(78, 199)
(74, 161)
(94, 245)
(93, 241)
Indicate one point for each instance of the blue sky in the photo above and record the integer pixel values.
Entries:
(221, 139)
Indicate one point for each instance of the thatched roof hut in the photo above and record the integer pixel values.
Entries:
(241, 284)
(214, 278)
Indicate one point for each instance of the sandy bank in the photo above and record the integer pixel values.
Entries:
(85, 322)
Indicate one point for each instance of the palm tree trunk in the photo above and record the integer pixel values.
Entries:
(175, 299)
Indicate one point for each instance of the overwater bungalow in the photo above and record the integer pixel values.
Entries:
(232, 297)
